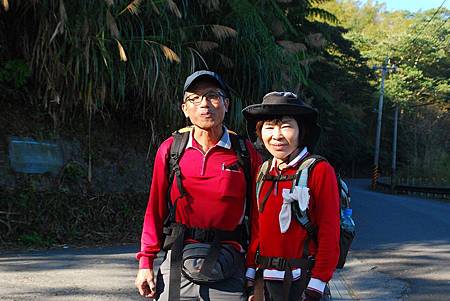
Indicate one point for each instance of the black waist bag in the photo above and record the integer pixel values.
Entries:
(228, 263)
(345, 242)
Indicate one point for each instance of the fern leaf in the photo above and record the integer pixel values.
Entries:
(319, 13)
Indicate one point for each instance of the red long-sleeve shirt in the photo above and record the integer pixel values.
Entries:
(324, 213)
(215, 194)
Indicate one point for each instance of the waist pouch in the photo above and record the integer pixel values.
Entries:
(228, 263)
(345, 242)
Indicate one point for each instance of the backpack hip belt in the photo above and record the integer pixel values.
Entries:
(280, 263)
(202, 235)
(286, 265)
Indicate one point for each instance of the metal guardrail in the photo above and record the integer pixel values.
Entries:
(429, 191)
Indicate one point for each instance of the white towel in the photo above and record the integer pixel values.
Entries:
(301, 195)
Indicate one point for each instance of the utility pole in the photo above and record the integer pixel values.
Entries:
(384, 71)
(394, 148)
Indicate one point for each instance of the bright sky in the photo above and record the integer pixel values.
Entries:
(413, 5)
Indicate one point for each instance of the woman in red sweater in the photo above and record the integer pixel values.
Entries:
(295, 261)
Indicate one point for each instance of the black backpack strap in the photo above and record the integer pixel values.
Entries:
(180, 140)
(239, 146)
(243, 156)
(177, 235)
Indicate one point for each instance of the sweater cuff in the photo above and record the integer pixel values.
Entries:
(250, 274)
(145, 262)
(316, 285)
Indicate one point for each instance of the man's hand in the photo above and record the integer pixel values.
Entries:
(145, 282)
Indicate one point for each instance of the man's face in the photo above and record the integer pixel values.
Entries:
(205, 105)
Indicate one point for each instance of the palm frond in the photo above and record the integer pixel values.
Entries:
(154, 7)
(62, 11)
(291, 46)
(122, 54)
(206, 45)
(193, 66)
(112, 25)
(170, 54)
(212, 5)
(226, 61)
(109, 2)
(133, 7)
(223, 32)
(174, 8)
(5, 4)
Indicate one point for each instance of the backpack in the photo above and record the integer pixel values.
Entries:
(301, 179)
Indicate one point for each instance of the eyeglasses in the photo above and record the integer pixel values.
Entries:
(211, 96)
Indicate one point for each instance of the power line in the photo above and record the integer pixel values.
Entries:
(429, 21)
(425, 26)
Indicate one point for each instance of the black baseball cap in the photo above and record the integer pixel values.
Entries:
(197, 75)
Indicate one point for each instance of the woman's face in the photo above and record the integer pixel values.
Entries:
(280, 137)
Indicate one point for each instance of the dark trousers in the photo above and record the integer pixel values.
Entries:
(274, 289)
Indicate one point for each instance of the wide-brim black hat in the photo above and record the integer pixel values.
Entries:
(279, 104)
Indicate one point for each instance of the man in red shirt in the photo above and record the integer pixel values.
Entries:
(210, 198)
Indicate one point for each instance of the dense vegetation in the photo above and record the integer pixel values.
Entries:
(128, 59)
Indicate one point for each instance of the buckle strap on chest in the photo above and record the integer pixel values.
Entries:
(279, 178)
(280, 263)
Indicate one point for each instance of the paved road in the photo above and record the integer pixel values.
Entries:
(402, 252)
(404, 238)
(69, 274)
